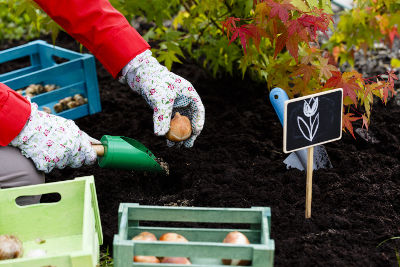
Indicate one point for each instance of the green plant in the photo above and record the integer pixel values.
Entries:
(194, 30)
(13, 27)
(291, 27)
(369, 22)
(23, 19)
(105, 259)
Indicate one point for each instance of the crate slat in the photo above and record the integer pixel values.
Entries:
(50, 75)
(190, 214)
(19, 52)
(16, 73)
(193, 249)
(203, 234)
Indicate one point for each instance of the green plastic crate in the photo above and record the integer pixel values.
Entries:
(71, 227)
(205, 247)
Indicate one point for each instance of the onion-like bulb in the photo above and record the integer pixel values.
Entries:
(145, 236)
(10, 247)
(173, 237)
(236, 238)
(180, 128)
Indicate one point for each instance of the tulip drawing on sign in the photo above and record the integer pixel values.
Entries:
(309, 109)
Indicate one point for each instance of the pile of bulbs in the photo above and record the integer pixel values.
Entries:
(70, 102)
(232, 237)
(37, 89)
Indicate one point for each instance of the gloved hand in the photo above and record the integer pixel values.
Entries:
(52, 141)
(166, 93)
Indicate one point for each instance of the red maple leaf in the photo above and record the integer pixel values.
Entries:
(334, 80)
(244, 32)
(280, 10)
(292, 45)
(296, 28)
(280, 43)
(347, 120)
(391, 79)
(314, 23)
(349, 85)
(244, 35)
(255, 34)
(393, 32)
(229, 24)
(389, 85)
(349, 89)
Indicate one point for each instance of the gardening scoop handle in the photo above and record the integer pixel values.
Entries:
(99, 149)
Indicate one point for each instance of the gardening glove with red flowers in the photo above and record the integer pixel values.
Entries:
(166, 93)
(52, 141)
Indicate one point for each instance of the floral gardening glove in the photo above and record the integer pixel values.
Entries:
(166, 93)
(52, 141)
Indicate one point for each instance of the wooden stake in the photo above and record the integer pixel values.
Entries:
(310, 167)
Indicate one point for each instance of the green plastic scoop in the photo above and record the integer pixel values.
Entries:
(119, 152)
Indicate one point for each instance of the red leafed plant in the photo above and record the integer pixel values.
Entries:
(290, 32)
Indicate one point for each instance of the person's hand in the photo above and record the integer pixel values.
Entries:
(166, 93)
(52, 141)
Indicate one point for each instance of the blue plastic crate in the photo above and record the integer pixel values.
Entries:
(75, 75)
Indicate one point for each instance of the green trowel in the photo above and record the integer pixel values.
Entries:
(119, 152)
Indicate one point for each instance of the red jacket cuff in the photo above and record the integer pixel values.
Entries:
(14, 112)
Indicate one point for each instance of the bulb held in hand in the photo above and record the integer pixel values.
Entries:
(180, 128)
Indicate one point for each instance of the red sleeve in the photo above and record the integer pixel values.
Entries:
(100, 28)
(14, 112)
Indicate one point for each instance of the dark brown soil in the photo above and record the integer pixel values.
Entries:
(238, 162)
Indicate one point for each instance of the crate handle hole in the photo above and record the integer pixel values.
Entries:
(59, 60)
(28, 200)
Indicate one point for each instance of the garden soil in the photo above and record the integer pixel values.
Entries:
(237, 161)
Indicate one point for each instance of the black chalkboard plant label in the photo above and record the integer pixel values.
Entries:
(309, 121)
(312, 120)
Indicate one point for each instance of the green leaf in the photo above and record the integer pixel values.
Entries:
(55, 29)
(326, 6)
(312, 3)
(168, 57)
(171, 35)
(395, 63)
(300, 4)
(20, 8)
(175, 48)
(149, 35)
